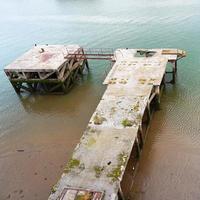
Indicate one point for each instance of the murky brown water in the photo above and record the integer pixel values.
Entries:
(39, 133)
(32, 157)
(169, 166)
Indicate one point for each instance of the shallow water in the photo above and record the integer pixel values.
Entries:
(39, 133)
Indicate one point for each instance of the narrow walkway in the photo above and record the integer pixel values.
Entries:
(98, 163)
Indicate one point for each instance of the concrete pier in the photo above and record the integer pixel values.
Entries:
(46, 69)
(117, 129)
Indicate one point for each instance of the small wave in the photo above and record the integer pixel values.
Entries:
(98, 19)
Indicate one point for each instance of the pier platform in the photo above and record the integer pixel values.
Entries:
(46, 68)
(116, 131)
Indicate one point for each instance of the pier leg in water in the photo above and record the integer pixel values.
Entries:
(175, 64)
(148, 113)
(174, 72)
(87, 64)
(138, 147)
(141, 136)
(158, 96)
(16, 86)
(121, 194)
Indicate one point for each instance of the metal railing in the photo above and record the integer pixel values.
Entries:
(92, 53)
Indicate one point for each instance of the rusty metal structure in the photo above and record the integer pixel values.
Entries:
(93, 54)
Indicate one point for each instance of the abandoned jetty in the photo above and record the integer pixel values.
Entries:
(115, 135)
(116, 131)
(46, 69)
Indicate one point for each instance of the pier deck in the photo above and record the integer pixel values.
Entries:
(46, 68)
(117, 126)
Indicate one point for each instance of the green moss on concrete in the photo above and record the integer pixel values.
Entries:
(91, 142)
(98, 120)
(73, 163)
(53, 189)
(98, 170)
(122, 157)
(85, 196)
(127, 123)
(136, 107)
(117, 171)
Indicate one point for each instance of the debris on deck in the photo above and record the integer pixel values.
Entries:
(134, 86)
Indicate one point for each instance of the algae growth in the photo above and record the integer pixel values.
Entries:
(98, 120)
(91, 141)
(73, 163)
(98, 171)
(127, 123)
(53, 189)
(117, 171)
(136, 107)
(84, 196)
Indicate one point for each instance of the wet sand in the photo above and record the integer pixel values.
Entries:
(33, 157)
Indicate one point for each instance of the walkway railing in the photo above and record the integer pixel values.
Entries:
(92, 53)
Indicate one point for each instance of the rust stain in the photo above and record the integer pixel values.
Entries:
(46, 56)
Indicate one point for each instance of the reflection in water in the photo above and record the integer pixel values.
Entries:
(57, 104)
